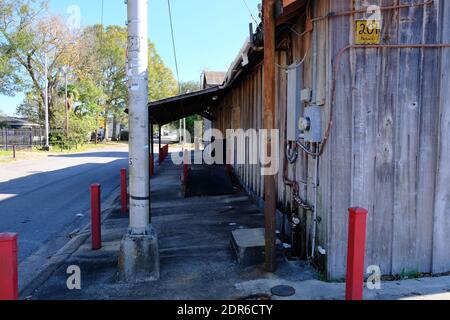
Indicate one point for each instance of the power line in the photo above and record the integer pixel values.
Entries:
(174, 47)
(250, 11)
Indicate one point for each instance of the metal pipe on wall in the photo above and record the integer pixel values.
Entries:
(314, 220)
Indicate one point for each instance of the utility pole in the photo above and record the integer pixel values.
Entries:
(269, 124)
(47, 126)
(139, 255)
(66, 102)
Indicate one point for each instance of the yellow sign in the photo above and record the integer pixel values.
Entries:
(368, 32)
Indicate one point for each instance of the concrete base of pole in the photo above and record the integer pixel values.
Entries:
(139, 258)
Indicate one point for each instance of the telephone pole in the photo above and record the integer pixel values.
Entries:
(139, 255)
(269, 124)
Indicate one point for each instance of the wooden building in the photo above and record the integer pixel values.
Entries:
(384, 123)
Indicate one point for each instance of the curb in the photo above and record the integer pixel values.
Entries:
(53, 263)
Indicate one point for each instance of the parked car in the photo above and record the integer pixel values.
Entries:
(172, 137)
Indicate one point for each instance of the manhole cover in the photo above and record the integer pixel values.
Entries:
(283, 291)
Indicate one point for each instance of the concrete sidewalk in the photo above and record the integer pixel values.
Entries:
(196, 260)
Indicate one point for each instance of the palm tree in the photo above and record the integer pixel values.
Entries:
(72, 96)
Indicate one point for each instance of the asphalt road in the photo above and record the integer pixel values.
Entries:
(41, 198)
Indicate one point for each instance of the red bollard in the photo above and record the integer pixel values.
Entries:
(355, 254)
(96, 217)
(9, 288)
(123, 190)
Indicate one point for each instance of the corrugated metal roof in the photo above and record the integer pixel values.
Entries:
(199, 102)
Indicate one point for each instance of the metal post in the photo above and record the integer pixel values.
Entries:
(184, 133)
(159, 141)
(96, 213)
(356, 253)
(269, 112)
(66, 104)
(139, 256)
(9, 289)
(47, 126)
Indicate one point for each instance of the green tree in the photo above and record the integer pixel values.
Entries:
(189, 86)
(161, 82)
(28, 35)
(186, 87)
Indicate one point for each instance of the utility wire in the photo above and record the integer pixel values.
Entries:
(250, 11)
(176, 67)
(174, 47)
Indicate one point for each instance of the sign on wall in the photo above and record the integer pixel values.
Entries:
(367, 31)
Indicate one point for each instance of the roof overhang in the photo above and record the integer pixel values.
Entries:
(201, 102)
(172, 109)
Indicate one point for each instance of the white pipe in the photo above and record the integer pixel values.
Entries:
(314, 100)
(314, 64)
(138, 116)
(314, 222)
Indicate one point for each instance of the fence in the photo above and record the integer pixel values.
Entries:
(21, 137)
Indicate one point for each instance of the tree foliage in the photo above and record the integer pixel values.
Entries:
(30, 36)
(95, 56)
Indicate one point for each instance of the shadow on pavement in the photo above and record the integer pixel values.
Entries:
(114, 154)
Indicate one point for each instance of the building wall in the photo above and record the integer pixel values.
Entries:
(385, 145)
(388, 150)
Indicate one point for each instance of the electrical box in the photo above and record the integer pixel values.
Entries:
(311, 124)
(294, 102)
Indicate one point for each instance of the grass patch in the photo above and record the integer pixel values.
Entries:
(4, 153)
(82, 148)
(414, 274)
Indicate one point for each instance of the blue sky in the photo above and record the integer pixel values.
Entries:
(208, 33)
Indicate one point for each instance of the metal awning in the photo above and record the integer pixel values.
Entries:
(179, 107)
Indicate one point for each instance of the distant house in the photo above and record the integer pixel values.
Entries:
(17, 123)
(20, 132)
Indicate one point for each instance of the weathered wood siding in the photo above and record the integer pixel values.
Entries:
(386, 141)
(389, 149)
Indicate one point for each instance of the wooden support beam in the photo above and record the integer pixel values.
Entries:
(269, 124)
